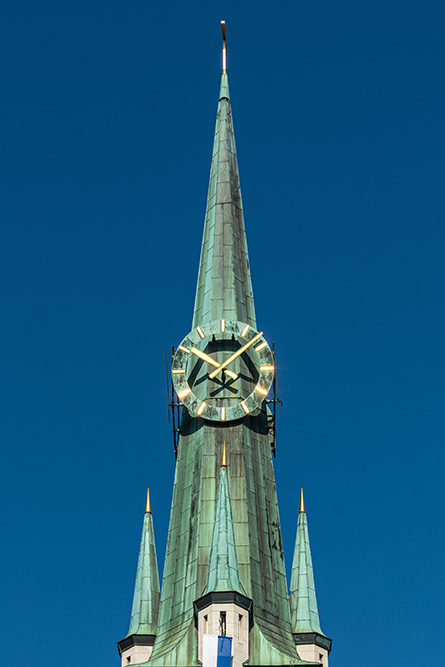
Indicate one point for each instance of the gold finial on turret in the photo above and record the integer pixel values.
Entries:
(224, 456)
(223, 30)
(148, 503)
(302, 508)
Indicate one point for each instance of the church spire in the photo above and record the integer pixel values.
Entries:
(302, 598)
(197, 558)
(138, 644)
(224, 289)
(223, 572)
(144, 614)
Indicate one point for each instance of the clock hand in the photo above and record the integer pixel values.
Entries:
(231, 375)
(235, 355)
(209, 360)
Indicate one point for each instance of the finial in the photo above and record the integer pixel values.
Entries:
(223, 30)
(302, 508)
(148, 503)
(224, 456)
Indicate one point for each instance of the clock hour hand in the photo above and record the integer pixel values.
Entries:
(234, 356)
(209, 360)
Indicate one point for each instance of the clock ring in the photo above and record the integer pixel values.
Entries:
(223, 370)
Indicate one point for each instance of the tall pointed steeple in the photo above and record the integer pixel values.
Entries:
(145, 610)
(302, 598)
(224, 289)
(201, 490)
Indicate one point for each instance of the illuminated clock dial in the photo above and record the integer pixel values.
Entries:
(223, 370)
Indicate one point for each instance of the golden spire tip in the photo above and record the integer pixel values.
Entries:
(224, 456)
(148, 503)
(302, 508)
(224, 54)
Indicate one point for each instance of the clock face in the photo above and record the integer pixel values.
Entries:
(223, 370)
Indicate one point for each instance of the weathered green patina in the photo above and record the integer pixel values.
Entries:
(224, 291)
(224, 287)
(145, 610)
(302, 598)
(223, 572)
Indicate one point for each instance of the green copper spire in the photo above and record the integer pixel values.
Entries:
(197, 558)
(224, 289)
(144, 614)
(302, 598)
(223, 572)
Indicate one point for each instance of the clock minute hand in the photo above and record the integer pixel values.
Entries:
(209, 360)
(234, 356)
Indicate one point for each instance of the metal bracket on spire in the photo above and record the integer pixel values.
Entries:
(224, 52)
(173, 405)
(274, 402)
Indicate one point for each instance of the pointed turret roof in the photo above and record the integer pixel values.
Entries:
(302, 598)
(223, 574)
(144, 614)
(224, 289)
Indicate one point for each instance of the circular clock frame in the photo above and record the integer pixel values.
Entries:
(237, 409)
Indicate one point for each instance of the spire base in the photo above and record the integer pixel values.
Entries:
(135, 648)
(313, 646)
(302, 638)
(224, 597)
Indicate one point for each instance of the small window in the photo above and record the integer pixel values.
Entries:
(240, 628)
(128, 660)
(222, 623)
(206, 624)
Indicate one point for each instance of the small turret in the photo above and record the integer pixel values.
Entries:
(138, 644)
(224, 609)
(312, 644)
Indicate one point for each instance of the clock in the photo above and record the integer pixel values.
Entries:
(223, 370)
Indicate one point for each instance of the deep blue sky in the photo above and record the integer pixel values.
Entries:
(107, 122)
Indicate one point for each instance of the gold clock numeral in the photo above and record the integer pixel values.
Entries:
(177, 371)
(261, 390)
(266, 368)
(201, 332)
(245, 408)
(244, 331)
(185, 392)
(200, 410)
(184, 349)
(223, 326)
(260, 346)
(223, 414)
